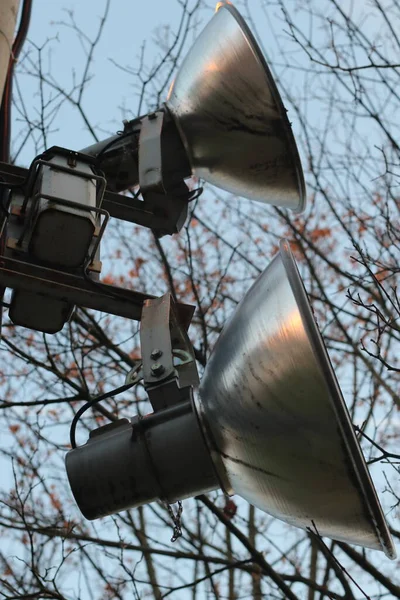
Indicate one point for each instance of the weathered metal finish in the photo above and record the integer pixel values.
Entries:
(164, 214)
(13, 173)
(119, 155)
(231, 117)
(150, 157)
(126, 303)
(163, 341)
(61, 209)
(162, 455)
(8, 16)
(275, 419)
(39, 312)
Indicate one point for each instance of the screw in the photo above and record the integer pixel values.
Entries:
(156, 353)
(157, 369)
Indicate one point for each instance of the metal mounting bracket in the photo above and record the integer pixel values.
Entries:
(169, 364)
(150, 159)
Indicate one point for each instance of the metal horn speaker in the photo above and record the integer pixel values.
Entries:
(275, 421)
(231, 118)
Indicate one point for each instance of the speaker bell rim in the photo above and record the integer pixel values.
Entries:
(353, 449)
(269, 404)
(290, 139)
(231, 118)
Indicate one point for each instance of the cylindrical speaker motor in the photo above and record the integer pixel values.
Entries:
(130, 463)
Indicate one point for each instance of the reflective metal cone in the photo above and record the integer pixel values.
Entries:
(275, 420)
(231, 118)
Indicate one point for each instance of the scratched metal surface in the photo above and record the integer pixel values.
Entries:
(231, 118)
(276, 421)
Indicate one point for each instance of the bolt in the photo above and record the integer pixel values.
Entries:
(152, 116)
(157, 369)
(156, 353)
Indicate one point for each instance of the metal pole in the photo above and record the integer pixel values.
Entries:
(10, 48)
(8, 19)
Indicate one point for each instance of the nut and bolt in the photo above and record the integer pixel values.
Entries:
(157, 369)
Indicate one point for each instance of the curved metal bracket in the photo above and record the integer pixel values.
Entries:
(150, 159)
(162, 337)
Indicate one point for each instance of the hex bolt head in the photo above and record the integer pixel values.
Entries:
(156, 353)
(157, 369)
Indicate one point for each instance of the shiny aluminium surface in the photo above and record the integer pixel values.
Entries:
(275, 420)
(231, 117)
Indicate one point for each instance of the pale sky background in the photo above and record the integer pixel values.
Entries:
(111, 95)
(126, 29)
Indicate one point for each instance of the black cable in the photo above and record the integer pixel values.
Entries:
(194, 194)
(121, 136)
(5, 111)
(89, 404)
(22, 29)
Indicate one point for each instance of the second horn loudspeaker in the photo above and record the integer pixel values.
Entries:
(231, 118)
(275, 421)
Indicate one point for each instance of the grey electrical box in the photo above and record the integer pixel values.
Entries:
(61, 231)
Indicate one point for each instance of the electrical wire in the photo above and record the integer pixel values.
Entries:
(91, 403)
(5, 114)
(121, 136)
(5, 111)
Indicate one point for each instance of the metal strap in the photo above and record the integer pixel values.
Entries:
(150, 160)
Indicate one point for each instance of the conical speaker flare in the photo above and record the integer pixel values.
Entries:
(275, 420)
(231, 118)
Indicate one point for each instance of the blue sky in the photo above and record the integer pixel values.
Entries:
(110, 94)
